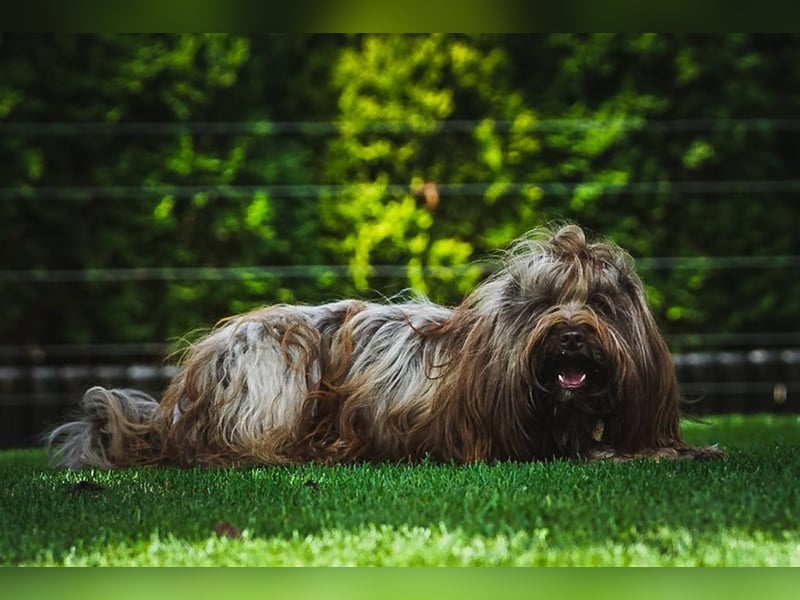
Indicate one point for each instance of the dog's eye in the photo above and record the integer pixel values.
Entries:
(603, 304)
(627, 284)
(543, 301)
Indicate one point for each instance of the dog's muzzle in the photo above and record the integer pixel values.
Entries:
(572, 365)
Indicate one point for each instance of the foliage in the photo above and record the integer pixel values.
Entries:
(740, 511)
(420, 152)
(155, 199)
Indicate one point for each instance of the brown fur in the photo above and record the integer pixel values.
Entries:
(557, 355)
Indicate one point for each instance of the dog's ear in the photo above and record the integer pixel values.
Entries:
(651, 404)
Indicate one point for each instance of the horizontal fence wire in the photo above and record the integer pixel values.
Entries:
(260, 273)
(453, 190)
(329, 128)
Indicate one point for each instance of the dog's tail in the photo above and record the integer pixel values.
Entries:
(116, 428)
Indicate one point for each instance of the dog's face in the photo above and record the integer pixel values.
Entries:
(584, 297)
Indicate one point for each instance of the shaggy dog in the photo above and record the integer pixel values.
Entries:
(555, 356)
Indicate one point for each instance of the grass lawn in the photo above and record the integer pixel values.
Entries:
(744, 510)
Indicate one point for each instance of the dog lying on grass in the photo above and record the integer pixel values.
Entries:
(556, 355)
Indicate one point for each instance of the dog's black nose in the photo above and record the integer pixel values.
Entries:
(571, 340)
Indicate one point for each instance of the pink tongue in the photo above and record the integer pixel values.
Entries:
(571, 378)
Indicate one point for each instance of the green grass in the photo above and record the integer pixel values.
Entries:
(741, 511)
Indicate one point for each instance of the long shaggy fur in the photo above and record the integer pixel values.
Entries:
(556, 355)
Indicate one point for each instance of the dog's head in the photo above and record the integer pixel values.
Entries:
(601, 371)
(584, 363)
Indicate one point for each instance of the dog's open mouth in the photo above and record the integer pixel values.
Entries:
(571, 377)
(575, 371)
(572, 371)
